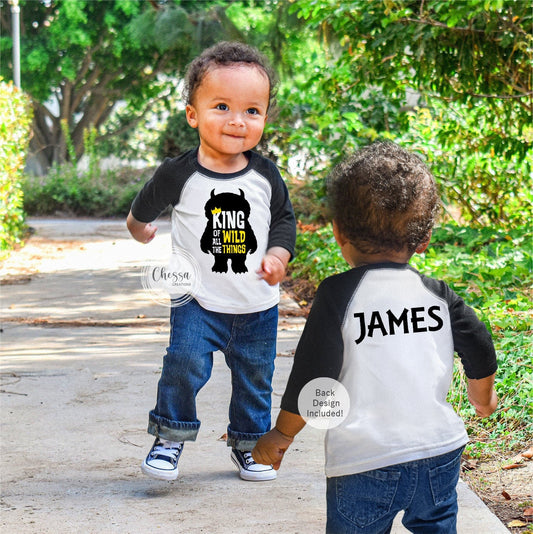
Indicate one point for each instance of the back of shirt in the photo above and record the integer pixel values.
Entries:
(388, 335)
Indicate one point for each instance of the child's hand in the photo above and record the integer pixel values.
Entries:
(484, 410)
(271, 447)
(272, 270)
(482, 396)
(274, 265)
(148, 233)
(142, 232)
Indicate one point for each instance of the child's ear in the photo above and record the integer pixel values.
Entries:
(424, 245)
(339, 236)
(191, 115)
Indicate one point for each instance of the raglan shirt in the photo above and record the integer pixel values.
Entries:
(226, 222)
(388, 334)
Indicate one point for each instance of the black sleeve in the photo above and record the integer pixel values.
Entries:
(161, 190)
(282, 221)
(472, 340)
(320, 350)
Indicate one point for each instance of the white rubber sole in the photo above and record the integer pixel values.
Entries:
(159, 473)
(254, 476)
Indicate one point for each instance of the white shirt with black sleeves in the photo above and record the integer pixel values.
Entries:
(389, 334)
(227, 222)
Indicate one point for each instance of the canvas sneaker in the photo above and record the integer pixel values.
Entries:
(249, 469)
(162, 460)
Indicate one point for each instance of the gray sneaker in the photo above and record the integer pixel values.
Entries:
(249, 470)
(162, 460)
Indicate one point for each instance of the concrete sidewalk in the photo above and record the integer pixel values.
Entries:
(81, 350)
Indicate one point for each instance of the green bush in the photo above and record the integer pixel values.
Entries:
(97, 193)
(70, 190)
(15, 121)
(459, 147)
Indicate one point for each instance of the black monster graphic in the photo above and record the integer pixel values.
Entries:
(228, 234)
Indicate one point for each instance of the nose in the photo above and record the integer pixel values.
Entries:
(236, 119)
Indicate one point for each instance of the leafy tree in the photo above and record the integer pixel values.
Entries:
(467, 51)
(468, 62)
(79, 59)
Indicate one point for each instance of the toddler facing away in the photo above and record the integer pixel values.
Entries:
(388, 334)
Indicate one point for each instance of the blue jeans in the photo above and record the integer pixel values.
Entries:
(248, 342)
(366, 503)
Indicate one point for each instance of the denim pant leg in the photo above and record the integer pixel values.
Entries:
(434, 507)
(250, 356)
(367, 503)
(363, 503)
(187, 366)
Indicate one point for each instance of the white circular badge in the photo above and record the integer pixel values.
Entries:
(172, 283)
(324, 403)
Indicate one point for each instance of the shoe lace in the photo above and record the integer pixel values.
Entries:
(248, 458)
(166, 450)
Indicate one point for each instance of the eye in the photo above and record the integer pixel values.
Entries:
(252, 111)
(222, 107)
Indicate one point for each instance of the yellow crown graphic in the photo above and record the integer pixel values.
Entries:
(216, 210)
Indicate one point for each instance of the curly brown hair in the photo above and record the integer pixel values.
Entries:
(226, 54)
(383, 198)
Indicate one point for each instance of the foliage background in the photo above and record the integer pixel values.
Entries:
(450, 80)
(85, 61)
(15, 121)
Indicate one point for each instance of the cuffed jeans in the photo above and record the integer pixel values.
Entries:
(248, 342)
(366, 503)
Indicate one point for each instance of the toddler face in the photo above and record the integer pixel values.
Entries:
(230, 109)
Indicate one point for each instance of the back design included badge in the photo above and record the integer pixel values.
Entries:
(228, 234)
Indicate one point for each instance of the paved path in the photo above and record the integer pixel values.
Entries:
(81, 349)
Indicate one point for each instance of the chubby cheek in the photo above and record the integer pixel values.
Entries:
(256, 131)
